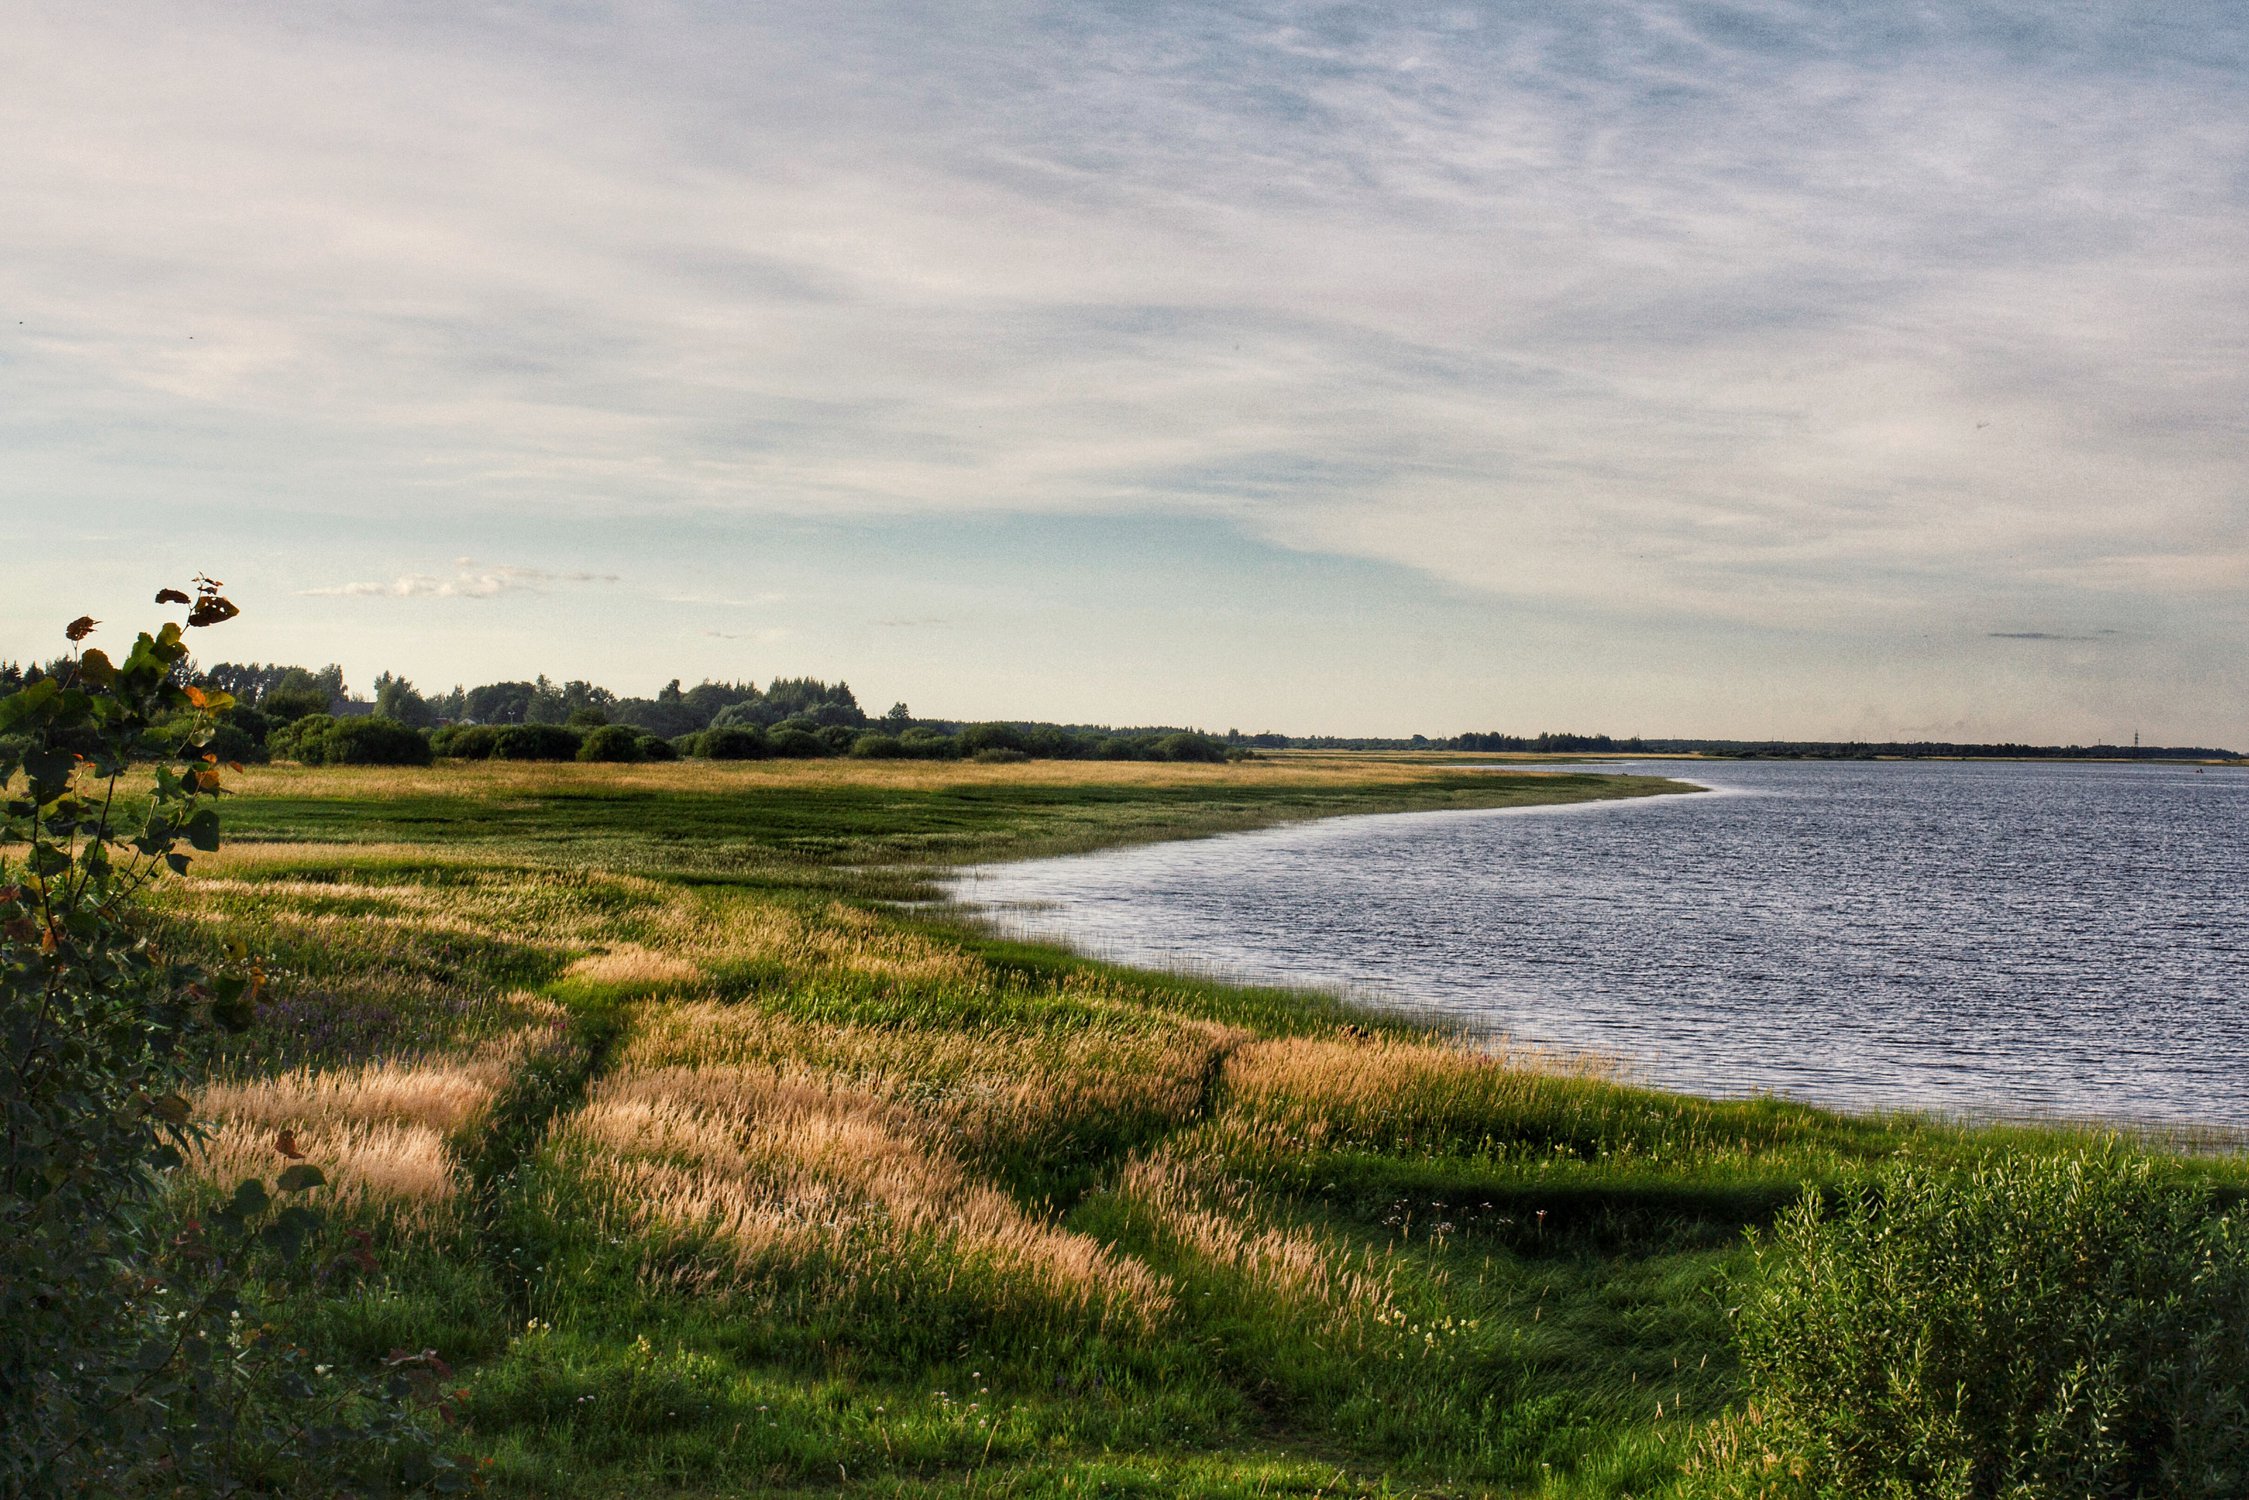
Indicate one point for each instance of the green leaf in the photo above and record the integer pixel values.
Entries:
(303, 1175)
(250, 1198)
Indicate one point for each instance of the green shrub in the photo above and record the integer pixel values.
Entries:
(611, 742)
(374, 741)
(2037, 1328)
(797, 744)
(928, 744)
(467, 741)
(655, 747)
(877, 747)
(1000, 755)
(731, 742)
(980, 737)
(231, 743)
(1188, 747)
(837, 737)
(301, 739)
(536, 742)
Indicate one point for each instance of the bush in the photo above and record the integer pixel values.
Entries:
(1048, 742)
(318, 740)
(612, 742)
(230, 742)
(536, 742)
(302, 739)
(656, 747)
(980, 737)
(1000, 755)
(837, 737)
(467, 741)
(928, 744)
(732, 742)
(374, 741)
(796, 743)
(2039, 1327)
(1188, 747)
(247, 722)
(877, 747)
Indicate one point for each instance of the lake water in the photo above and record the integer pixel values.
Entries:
(2025, 939)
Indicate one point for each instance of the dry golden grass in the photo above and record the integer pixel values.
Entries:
(785, 1163)
(513, 779)
(979, 1083)
(726, 927)
(380, 1133)
(1373, 1073)
(402, 1172)
(1192, 1201)
(631, 965)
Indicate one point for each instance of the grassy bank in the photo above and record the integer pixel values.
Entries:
(712, 1170)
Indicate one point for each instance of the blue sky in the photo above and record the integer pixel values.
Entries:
(1665, 368)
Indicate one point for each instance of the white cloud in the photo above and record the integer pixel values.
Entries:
(469, 580)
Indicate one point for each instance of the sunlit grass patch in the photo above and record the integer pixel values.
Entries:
(788, 1165)
(1193, 1202)
(382, 1133)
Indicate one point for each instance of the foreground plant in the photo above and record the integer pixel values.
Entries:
(139, 1351)
(2064, 1327)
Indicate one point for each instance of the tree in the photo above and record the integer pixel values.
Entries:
(395, 698)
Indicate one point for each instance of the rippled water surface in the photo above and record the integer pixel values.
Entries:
(2019, 938)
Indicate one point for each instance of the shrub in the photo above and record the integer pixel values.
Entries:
(732, 742)
(248, 722)
(612, 742)
(467, 741)
(797, 744)
(980, 737)
(2036, 1328)
(1000, 755)
(837, 737)
(1188, 747)
(302, 739)
(374, 741)
(877, 747)
(928, 744)
(655, 747)
(231, 743)
(536, 742)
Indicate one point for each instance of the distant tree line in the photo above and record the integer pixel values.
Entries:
(307, 714)
(295, 713)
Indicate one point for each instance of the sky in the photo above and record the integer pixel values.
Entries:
(1741, 370)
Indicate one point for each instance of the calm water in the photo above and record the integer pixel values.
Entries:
(2015, 938)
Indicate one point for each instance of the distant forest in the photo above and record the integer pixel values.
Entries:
(305, 713)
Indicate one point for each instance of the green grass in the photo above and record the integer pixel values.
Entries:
(1379, 1265)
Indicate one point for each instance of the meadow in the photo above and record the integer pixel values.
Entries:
(718, 1161)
